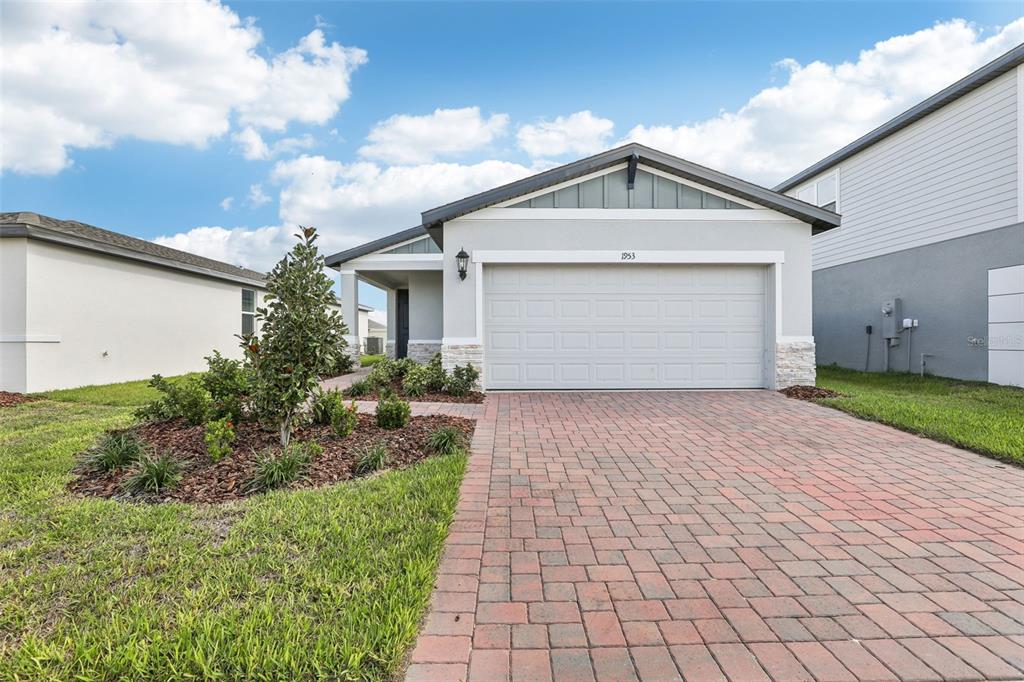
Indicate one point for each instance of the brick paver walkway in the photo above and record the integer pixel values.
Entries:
(712, 535)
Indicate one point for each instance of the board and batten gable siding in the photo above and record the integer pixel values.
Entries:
(96, 319)
(951, 174)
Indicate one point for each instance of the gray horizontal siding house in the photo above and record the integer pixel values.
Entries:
(628, 269)
(926, 273)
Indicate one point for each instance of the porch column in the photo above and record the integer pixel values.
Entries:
(349, 296)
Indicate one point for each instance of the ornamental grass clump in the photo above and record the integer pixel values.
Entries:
(373, 458)
(300, 336)
(277, 469)
(446, 440)
(115, 450)
(153, 474)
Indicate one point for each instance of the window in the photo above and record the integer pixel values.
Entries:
(826, 191)
(248, 312)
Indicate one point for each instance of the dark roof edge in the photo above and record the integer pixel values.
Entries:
(965, 85)
(375, 245)
(30, 231)
(819, 218)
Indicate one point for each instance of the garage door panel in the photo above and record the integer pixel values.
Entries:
(604, 327)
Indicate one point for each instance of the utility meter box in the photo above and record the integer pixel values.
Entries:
(892, 320)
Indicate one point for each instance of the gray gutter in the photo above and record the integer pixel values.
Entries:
(56, 237)
(820, 219)
(376, 245)
(965, 85)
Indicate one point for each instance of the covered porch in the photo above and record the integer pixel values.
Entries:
(407, 266)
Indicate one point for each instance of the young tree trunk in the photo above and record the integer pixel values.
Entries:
(286, 430)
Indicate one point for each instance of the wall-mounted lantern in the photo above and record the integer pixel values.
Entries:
(462, 262)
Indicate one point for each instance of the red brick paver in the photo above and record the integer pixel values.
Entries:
(722, 535)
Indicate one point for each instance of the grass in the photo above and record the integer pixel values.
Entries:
(369, 360)
(126, 394)
(319, 583)
(985, 418)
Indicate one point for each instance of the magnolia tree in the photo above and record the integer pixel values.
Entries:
(300, 338)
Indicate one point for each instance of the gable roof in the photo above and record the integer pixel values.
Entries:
(79, 235)
(819, 218)
(965, 85)
(375, 245)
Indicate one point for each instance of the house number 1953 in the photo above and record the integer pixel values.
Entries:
(629, 255)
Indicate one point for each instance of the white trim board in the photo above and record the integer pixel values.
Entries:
(627, 258)
(702, 215)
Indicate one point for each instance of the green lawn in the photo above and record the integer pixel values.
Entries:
(369, 360)
(326, 583)
(986, 418)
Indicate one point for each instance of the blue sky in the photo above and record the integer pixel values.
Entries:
(677, 75)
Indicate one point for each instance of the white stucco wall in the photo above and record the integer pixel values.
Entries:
(110, 319)
(772, 233)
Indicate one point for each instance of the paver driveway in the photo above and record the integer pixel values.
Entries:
(702, 535)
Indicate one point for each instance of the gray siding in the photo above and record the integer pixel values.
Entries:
(951, 174)
(611, 191)
(944, 286)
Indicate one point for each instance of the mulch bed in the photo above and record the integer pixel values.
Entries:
(203, 481)
(474, 397)
(8, 399)
(809, 393)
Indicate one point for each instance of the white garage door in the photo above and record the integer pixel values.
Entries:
(624, 326)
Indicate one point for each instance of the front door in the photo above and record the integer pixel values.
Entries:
(402, 319)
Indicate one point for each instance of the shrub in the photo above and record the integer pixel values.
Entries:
(301, 335)
(358, 389)
(227, 382)
(371, 459)
(436, 376)
(392, 411)
(153, 474)
(403, 366)
(218, 436)
(462, 380)
(277, 469)
(343, 364)
(344, 419)
(446, 440)
(384, 372)
(324, 405)
(114, 450)
(185, 397)
(415, 382)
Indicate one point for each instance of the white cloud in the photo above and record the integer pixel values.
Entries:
(82, 75)
(226, 203)
(375, 200)
(821, 107)
(580, 133)
(253, 148)
(257, 197)
(409, 139)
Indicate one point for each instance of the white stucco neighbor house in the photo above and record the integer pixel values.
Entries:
(628, 269)
(371, 332)
(926, 273)
(80, 305)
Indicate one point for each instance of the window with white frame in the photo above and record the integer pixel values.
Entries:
(248, 312)
(823, 193)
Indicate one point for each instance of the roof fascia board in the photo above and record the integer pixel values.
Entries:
(969, 83)
(43, 234)
(388, 241)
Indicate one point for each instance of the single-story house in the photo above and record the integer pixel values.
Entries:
(81, 305)
(628, 269)
(926, 273)
(372, 334)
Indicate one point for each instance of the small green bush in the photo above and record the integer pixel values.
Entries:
(185, 397)
(344, 419)
(392, 411)
(227, 381)
(153, 474)
(414, 383)
(342, 364)
(373, 458)
(114, 450)
(277, 469)
(218, 435)
(446, 440)
(384, 372)
(324, 405)
(436, 376)
(462, 380)
(403, 366)
(358, 389)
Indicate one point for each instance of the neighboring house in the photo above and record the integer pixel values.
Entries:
(372, 334)
(628, 269)
(80, 305)
(933, 231)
